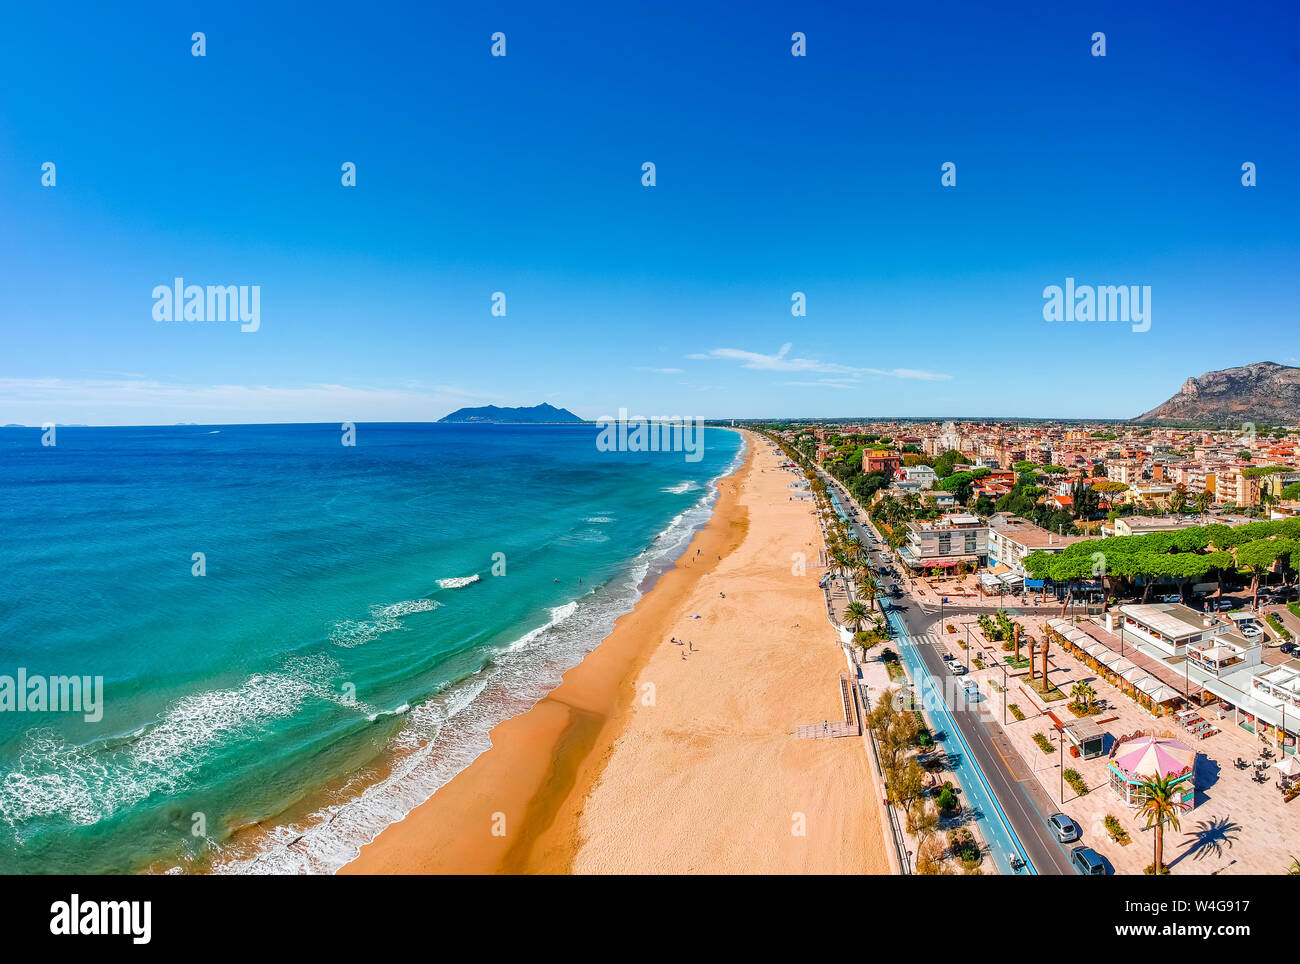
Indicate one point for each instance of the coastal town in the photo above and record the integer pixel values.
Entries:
(1070, 648)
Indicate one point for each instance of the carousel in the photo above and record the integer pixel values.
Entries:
(1135, 760)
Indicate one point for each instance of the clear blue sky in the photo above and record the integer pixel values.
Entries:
(522, 174)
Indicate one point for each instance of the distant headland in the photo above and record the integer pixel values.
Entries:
(543, 414)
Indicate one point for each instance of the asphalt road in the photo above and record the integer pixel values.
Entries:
(1018, 792)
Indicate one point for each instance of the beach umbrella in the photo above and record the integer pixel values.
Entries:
(1288, 766)
(1164, 694)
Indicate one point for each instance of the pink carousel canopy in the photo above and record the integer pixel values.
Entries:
(1151, 756)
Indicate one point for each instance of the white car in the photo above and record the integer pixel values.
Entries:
(1249, 630)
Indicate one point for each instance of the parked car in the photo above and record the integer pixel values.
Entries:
(1249, 630)
(956, 668)
(1065, 829)
(1287, 648)
(1088, 862)
(1171, 598)
(1222, 605)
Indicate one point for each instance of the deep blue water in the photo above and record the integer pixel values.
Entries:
(335, 630)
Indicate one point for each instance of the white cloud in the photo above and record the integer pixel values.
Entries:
(660, 371)
(782, 362)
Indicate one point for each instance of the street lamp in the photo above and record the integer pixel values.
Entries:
(1004, 693)
(1062, 732)
(968, 650)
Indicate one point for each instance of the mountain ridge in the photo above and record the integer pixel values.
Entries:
(1263, 392)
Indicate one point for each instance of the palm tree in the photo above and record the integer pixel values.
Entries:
(855, 613)
(1083, 694)
(1160, 807)
(867, 589)
(1202, 501)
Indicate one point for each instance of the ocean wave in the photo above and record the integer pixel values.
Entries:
(681, 488)
(599, 519)
(84, 784)
(456, 582)
(348, 633)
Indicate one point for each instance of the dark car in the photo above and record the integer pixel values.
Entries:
(1088, 862)
(1065, 829)
(1287, 648)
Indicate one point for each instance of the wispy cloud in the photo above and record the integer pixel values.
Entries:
(659, 371)
(783, 362)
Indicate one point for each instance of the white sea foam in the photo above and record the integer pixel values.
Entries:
(690, 485)
(455, 582)
(599, 519)
(89, 783)
(348, 633)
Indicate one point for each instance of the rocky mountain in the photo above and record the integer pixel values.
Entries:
(491, 414)
(1262, 392)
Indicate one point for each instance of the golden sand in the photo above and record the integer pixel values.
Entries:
(655, 758)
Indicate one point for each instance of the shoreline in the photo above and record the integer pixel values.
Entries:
(598, 778)
(508, 812)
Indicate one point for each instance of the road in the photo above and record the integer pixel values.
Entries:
(1018, 792)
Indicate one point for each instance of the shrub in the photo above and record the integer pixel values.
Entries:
(947, 799)
(1014, 709)
(963, 845)
(1044, 743)
(1278, 628)
(1116, 830)
(1075, 780)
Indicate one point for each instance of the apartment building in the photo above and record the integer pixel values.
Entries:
(957, 537)
(1011, 538)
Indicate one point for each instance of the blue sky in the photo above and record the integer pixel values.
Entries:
(522, 174)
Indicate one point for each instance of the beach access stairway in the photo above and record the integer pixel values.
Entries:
(851, 725)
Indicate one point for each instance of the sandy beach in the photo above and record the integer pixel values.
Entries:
(652, 757)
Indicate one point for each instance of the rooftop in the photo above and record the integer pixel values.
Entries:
(1029, 535)
(1168, 619)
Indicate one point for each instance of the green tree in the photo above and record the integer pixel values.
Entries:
(855, 614)
(1160, 807)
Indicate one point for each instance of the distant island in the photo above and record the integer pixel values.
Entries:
(543, 414)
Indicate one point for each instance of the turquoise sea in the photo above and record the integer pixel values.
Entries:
(348, 647)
